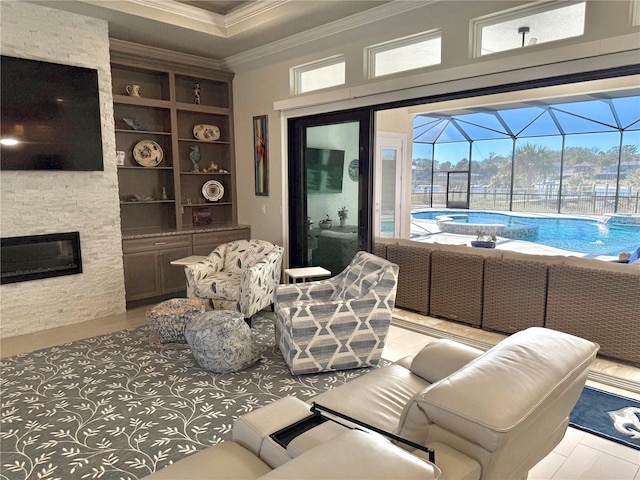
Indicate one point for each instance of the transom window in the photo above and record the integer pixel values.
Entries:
(329, 72)
(402, 54)
(531, 25)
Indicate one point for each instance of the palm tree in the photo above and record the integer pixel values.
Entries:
(534, 165)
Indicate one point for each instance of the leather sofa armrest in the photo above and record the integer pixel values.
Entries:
(356, 454)
(441, 358)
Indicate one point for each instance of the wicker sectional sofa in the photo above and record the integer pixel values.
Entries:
(508, 291)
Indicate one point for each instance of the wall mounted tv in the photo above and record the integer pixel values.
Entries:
(324, 169)
(50, 116)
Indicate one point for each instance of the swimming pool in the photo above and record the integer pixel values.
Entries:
(588, 236)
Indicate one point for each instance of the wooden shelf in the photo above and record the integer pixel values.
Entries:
(192, 107)
(141, 101)
(211, 204)
(141, 132)
(145, 202)
(204, 142)
(141, 168)
(205, 173)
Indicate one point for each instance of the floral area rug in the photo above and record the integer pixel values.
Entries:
(112, 407)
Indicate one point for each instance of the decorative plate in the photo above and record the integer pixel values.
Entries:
(206, 133)
(148, 153)
(213, 190)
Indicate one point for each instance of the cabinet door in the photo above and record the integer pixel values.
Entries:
(141, 275)
(173, 277)
(204, 243)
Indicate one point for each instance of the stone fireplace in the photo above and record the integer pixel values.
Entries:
(40, 256)
(42, 202)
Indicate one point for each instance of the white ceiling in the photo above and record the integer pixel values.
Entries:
(212, 29)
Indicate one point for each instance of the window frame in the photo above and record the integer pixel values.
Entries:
(297, 72)
(635, 13)
(477, 24)
(371, 51)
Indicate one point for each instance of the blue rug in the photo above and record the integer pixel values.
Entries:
(609, 416)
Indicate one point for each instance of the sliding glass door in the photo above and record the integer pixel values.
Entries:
(330, 189)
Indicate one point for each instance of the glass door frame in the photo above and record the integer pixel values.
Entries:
(398, 142)
(297, 201)
(456, 204)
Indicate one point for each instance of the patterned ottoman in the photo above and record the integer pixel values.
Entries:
(221, 341)
(168, 319)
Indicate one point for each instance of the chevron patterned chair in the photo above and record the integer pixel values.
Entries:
(339, 323)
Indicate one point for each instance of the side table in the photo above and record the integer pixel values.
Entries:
(190, 260)
(302, 273)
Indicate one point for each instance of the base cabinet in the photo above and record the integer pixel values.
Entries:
(147, 265)
(148, 272)
(141, 275)
(172, 277)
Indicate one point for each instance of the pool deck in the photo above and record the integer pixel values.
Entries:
(427, 231)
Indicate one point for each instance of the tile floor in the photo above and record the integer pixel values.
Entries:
(579, 455)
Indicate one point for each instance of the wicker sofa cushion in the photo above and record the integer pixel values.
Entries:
(633, 269)
(527, 257)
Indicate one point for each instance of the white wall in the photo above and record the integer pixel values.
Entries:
(262, 79)
(39, 202)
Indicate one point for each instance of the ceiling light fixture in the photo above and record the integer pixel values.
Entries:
(523, 31)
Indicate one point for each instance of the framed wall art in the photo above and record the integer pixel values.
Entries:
(260, 155)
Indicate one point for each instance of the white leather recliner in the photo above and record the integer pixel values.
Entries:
(506, 408)
(488, 415)
(352, 455)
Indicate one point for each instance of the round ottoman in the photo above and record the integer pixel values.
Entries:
(221, 341)
(168, 319)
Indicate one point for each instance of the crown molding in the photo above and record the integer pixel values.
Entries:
(241, 19)
(183, 10)
(251, 11)
(318, 33)
(128, 52)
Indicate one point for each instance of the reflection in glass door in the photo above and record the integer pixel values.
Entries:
(329, 206)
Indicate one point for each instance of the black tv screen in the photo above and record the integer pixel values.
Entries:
(324, 169)
(50, 116)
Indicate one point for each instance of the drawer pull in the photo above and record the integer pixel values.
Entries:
(160, 243)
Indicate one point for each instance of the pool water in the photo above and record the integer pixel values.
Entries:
(574, 234)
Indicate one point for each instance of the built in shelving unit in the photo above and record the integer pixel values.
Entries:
(166, 113)
(164, 213)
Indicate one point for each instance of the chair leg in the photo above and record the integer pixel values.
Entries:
(248, 320)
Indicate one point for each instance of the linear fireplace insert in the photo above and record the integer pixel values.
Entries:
(40, 256)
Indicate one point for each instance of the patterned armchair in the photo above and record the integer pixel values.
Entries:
(339, 323)
(241, 275)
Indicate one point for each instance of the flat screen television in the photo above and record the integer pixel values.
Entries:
(324, 169)
(50, 116)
